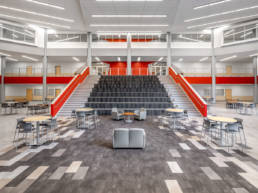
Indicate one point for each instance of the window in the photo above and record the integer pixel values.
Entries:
(38, 92)
(67, 37)
(149, 37)
(109, 37)
(219, 92)
(190, 37)
(50, 92)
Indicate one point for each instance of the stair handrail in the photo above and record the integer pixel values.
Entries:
(185, 85)
(60, 100)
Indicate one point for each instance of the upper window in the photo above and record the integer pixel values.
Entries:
(109, 38)
(149, 38)
(67, 37)
(191, 37)
(240, 33)
(17, 33)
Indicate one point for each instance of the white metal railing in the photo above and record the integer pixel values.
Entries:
(124, 71)
(63, 72)
(23, 72)
(220, 72)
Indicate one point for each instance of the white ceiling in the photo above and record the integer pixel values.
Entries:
(81, 12)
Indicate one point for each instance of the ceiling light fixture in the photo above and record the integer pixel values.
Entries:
(250, 55)
(4, 54)
(211, 4)
(35, 13)
(76, 59)
(12, 59)
(127, 31)
(160, 58)
(223, 13)
(29, 58)
(14, 35)
(204, 59)
(201, 35)
(128, 0)
(96, 25)
(128, 16)
(189, 39)
(228, 58)
(97, 58)
(46, 4)
(118, 58)
(67, 39)
(57, 36)
(17, 32)
(33, 21)
(139, 58)
(180, 60)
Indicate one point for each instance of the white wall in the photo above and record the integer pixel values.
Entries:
(67, 45)
(20, 89)
(190, 44)
(109, 44)
(149, 44)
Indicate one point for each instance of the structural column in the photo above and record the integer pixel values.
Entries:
(89, 40)
(2, 89)
(129, 54)
(45, 67)
(168, 51)
(213, 69)
(255, 63)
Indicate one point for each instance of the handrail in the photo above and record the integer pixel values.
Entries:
(197, 100)
(57, 104)
(123, 71)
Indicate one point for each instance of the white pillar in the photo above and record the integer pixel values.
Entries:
(89, 61)
(213, 69)
(255, 95)
(168, 51)
(2, 67)
(129, 62)
(45, 67)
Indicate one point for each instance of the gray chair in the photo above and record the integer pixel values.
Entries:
(232, 129)
(17, 127)
(73, 116)
(140, 114)
(51, 127)
(4, 106)
(117, 114)
(208, 128)
(251, 106)
(25, 128)
(129, 138)
(178, 116)
(240, 121)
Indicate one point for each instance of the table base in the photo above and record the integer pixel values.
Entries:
(129, 121)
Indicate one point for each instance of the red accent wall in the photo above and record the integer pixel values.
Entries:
(23, 80)
(220, 80)
(59, 80)
(199, 80)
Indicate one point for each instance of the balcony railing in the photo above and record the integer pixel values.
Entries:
(220, 72)
(23, 72)
(62, 72)
(123, 71)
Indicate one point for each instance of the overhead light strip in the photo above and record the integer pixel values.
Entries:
(228, 58)
(67, 39)
(189, 39)
(46, 4)
(97, 58)
(129, 16)
(24, 19)
(76, 59)
(127, 0)
(129, 31)
(250, 55)
(160, 58)
(216, 22)
(96, 25)
(180, 60)
(118, 58)
(139, 58)
(11, 59)
(204, 59)
(29, 58)
(211, 4)
(34, 13)
(223, 13)
(17, 32)
(5, 54)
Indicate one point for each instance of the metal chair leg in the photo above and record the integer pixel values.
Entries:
(241, 140)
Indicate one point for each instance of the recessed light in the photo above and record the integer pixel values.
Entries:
(97, 58)
(5, 54)
(204, 59)
(228, 58)
(160, 58)
(76, 59)
(118, 58)
(12, 59)
(46, 4)
(29, 58)
(139, 58)
(180, 60)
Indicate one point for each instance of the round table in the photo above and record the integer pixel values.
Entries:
(245, 104)
(37, 119)
(222, 120)
(86, 115)
(175, 111)
(128, 114)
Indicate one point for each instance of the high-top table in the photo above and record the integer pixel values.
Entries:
(37, 120)
(85, 110)
(222, 120)
(173, 111)
(245, 104)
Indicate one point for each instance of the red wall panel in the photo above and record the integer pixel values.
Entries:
(234, 80)
(199, 80)
(59, 80)
(23, 80)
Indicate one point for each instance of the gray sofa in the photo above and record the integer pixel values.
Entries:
(117, 114)
(140, 114)
(129, 138)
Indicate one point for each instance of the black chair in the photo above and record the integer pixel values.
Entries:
(25, 128)
(4, 106)
(207, 127)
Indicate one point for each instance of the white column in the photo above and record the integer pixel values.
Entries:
(89, 61)
(255, 63)
(45, 67)
(168, 51)
(2, 67)
(129, 62)
(213, 69)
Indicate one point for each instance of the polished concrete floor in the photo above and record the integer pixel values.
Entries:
(174, 161)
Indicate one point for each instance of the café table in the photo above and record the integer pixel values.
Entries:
(86, 112)
(37, 120)
(220, 142)
(173, 111)
(128, 114)
(245, 105)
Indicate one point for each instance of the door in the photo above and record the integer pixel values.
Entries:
(228, 93)
(58, 91)
(228, 73)
(29, 70)
(29, 94)
(58, 70)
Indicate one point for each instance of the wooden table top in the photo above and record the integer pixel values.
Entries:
(175, 110)
(38, 118)
(128, 113)
(84, 109)
(223, 119)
